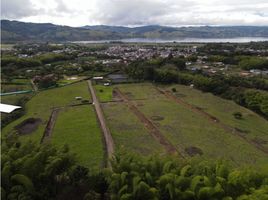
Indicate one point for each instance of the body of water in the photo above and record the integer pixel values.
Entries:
(182, 40)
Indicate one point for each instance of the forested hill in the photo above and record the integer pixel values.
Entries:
(14, 31)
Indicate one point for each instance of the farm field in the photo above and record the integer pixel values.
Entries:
(16, 85)
(191, 132)
(78, 128)
(39, 108)
(144, 107)
(104, 93)
(128, 132)
(251, 125)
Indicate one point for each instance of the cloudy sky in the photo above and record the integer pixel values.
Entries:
(138, 12)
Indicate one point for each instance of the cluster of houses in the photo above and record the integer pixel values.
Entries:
(127, 54)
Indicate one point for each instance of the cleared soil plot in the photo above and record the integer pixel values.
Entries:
(28, 126)
(41, 105)
(128, 132)
(252, 126)
(192, 131)
(78, 128)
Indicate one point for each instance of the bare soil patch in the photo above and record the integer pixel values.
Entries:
(157, 118)
(115, 96)
(192, 151)
(129, 95)
(28, 126)
(259, 141)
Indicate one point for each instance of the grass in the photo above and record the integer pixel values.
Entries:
(128, 132)
(78, 128)
(13, 88)
(41, 104)
(13, 99)
(185, 128)
(104, 93)
(140, 91)
(254, 126)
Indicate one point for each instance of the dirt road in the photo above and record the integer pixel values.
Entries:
(213, 120)
(153, 130)
(50, 124)
(109, 143)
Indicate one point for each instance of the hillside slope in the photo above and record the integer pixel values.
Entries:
(14, 31)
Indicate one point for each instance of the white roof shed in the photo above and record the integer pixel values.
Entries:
(8, 108)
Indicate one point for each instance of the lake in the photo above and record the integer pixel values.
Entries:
(181, 40)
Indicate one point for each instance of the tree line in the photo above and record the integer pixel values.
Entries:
(238, 89)
(30, 171)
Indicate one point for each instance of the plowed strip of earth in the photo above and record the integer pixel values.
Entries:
(153, 130)
(50, 124)
(212, 119)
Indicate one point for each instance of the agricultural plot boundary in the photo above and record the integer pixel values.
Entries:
(212, 119)
(153, 130)
(50, 125)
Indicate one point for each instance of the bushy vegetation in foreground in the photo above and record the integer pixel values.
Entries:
(43, 172)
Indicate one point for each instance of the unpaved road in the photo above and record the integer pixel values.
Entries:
(109, 143)
(213, 120)
(153, 130)
(50, 124)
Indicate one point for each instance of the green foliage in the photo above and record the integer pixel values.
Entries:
(170, 178)
(227, 87)
(253, 63)
(43, 172)
(238, 115)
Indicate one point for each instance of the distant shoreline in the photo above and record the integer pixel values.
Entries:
(179, 40)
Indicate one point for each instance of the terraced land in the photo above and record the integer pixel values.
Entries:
(78, 128)
(193, 133)
(39, 108)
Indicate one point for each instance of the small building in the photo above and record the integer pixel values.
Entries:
(6, 108)
(98, 78)
(78, 98)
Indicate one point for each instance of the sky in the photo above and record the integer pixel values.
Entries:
(138, 12)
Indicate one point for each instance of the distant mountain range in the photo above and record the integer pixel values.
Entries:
(15, 31)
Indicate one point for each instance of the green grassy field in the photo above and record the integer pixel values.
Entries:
(40, 106)
(128, 132)
(13, 99)
(140, 91)
(186, 129)
(253, 126)
(13, 88)
(78, 128)
(104, 93)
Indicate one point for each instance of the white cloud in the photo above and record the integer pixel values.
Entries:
(138, 12)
